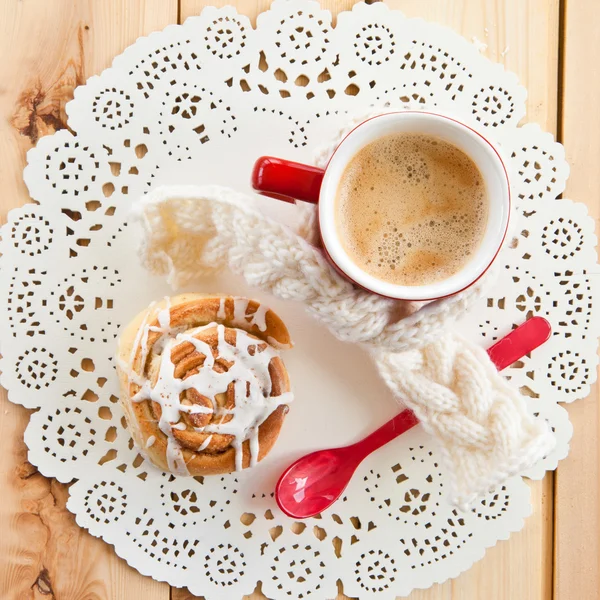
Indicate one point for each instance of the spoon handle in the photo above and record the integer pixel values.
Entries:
(519, 342)
(386, 433)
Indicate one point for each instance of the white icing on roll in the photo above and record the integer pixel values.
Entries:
(141, 339)
(249, 374)
(205, 443)
(242, 318)
(240, 305)
(254, 448)
(164, 316)
(221, 312)
(259, 318)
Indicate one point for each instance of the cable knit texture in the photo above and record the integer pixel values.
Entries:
(480, 422)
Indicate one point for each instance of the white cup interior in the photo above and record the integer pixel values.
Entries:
(479, 149)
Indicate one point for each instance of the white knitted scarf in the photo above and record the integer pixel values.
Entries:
(480, 422)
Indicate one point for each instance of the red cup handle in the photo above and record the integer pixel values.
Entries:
(277, 177)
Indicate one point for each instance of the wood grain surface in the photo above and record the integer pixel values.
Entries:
(577, 499)
(50, 46)
(47, 48)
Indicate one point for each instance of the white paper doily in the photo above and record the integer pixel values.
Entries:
(198, 103)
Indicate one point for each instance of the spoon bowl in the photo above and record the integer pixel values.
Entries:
(317, 480)
(315, 494)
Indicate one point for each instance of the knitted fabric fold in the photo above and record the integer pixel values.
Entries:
(479, 421)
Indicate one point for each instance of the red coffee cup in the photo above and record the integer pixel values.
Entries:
(290, 180)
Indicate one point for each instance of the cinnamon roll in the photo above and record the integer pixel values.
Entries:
(202, 385)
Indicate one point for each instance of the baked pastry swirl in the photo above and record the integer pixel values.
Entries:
(202, 385)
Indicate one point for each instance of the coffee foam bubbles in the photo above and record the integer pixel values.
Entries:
(411, 209)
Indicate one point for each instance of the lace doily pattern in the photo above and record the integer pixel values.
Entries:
(198, 103)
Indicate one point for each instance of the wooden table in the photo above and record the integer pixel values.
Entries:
(48, 47)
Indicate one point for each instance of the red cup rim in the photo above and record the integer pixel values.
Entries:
(493, 258)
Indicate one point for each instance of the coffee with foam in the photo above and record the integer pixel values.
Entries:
(411, 209)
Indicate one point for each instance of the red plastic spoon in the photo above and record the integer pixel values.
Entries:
(315, 481)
